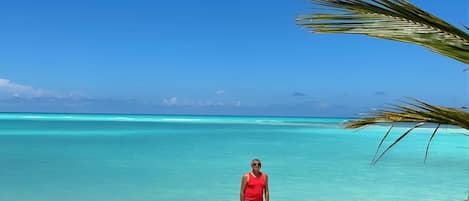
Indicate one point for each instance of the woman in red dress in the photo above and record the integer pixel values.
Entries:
(254, 185)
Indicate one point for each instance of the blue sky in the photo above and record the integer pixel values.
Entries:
(210, 57)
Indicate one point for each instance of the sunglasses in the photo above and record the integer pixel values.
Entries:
(256, 164)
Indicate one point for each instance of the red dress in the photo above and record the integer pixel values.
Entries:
(254, 188)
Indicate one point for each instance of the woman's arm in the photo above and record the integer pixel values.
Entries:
(243, 187)
(266, 189)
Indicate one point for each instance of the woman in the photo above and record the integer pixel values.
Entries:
(254, 185)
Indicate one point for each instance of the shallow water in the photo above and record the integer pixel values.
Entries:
(57, 157)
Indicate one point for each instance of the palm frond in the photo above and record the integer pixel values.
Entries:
(414, 112)
(418, 111)
(397, 141)
(389, 19)
(381, 143)
(429, 141)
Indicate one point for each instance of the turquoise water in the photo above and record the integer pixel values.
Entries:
(77, 157)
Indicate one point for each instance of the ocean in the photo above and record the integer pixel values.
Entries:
(97, 157)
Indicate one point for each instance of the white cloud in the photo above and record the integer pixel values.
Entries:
(220, 92)
(175, 101)
(170, 101)
(20, 90)
(237, 103)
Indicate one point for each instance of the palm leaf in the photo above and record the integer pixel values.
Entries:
(381, 143)
(418, 111)
(396, 20)
(429, 141)
(414, 112)
(397, 141)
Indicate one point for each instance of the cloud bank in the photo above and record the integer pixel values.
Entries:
(298, 94)
(19, 90)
